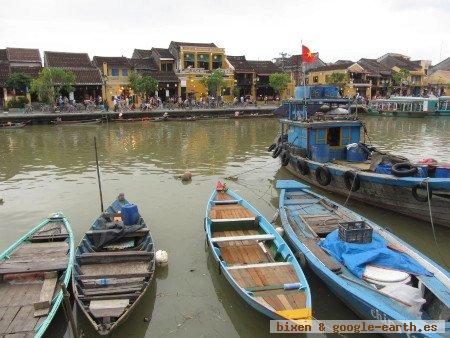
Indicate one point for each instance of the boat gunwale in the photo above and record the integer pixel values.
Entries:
(56, 300)
(285, 251)
(350, 286)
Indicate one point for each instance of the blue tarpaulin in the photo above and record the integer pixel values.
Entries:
(356, 256)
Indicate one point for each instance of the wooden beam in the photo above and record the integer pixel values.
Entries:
(266, 237)
(42, 307)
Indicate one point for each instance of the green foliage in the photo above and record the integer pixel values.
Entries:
(214, 82)
(236, 91)
(144, 86)
(18, 82)
(401, 77)
(51, 82)
(338, 79)
(18, 102)
(279, 81)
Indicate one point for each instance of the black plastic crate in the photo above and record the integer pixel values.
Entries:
(355, 232)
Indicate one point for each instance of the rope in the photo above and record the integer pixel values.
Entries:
(432, 224)
(235, 177)
(350, 191)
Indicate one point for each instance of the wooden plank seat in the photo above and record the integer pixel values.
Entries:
(113, 256)
(16, 267)
(127, 269)
(230, 211)
(258, 238)
(327, 260)
(114, 290)
(44, 238)
(108, 308)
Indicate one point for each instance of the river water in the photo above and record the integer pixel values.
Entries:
(52, 168)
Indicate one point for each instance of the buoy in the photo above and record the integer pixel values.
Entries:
(236, 113)
(187, 176)
(162, 258)
(280, 230)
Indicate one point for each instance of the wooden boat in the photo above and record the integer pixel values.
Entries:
(108, 282)
(13, 125)
(328, 150)
(443, 108)
(31, 271)
(89, 121)
(131, 119)
(255, 259)
(307, 217)
(406, 106)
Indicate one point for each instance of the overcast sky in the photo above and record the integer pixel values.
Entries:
(260, 29)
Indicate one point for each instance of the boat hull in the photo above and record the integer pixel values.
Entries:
(392, 197)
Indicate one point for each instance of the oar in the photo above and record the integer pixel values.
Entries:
(98, 175)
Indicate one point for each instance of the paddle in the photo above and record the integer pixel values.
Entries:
(98, 175)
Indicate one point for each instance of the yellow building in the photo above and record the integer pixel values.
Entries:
(194, 61)
(356, 78)
(115, 71)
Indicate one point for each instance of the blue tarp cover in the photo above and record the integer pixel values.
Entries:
(356, 256)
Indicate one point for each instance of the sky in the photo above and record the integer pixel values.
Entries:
(259, 29)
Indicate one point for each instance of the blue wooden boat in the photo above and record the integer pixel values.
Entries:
(307, 217)
(405, 106)
(114, 266)
(324, 147)
(443, 107)
(255, 259)
(31, 272)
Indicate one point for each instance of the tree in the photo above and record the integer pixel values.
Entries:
(51, 82)
(279, 82)
(214, 82)
(236, 91)
(338, 79)
(18, 83)
(144, 86)
(400, 78)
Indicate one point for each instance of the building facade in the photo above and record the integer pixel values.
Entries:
(18, 60)
(88, 79)
(115, 72)
(194, 61)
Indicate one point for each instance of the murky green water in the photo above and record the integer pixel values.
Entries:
(50, 168)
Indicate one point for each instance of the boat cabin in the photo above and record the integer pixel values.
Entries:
(321, 129)
(443, 107)
(404, 105)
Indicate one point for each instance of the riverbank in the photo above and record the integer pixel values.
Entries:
(226, 112)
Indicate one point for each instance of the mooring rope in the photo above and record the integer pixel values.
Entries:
(350, 190)
(432, 224)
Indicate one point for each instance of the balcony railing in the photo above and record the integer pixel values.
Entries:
(201, 71)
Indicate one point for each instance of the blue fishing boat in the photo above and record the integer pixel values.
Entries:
(406, 106)
(254, 258)
(31, 272)
(443, 107)
(325, 145)
(405, 285)
(114, 266)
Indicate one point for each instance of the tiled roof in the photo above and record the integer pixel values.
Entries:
(78, 63)
(159, 76)
(178, 44)
(264, 67)
(144, 64)
(443, 65)
(398, 61)
(4, 72)
(240, 64)
(334, 66)
(141, 53)
(66, 60)
(374, 68)
(163, 53)
(87, 76)
(294, 63)
(30, 71)
(3, 55)
(23, 55)
(112, 61)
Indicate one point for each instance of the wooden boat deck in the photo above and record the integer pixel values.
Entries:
(29, 280)
(251, 261)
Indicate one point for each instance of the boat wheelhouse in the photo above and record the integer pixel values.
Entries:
(443, 106)
(327, 148)
(403, 106)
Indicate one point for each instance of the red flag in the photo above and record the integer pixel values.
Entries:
(306, 55)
